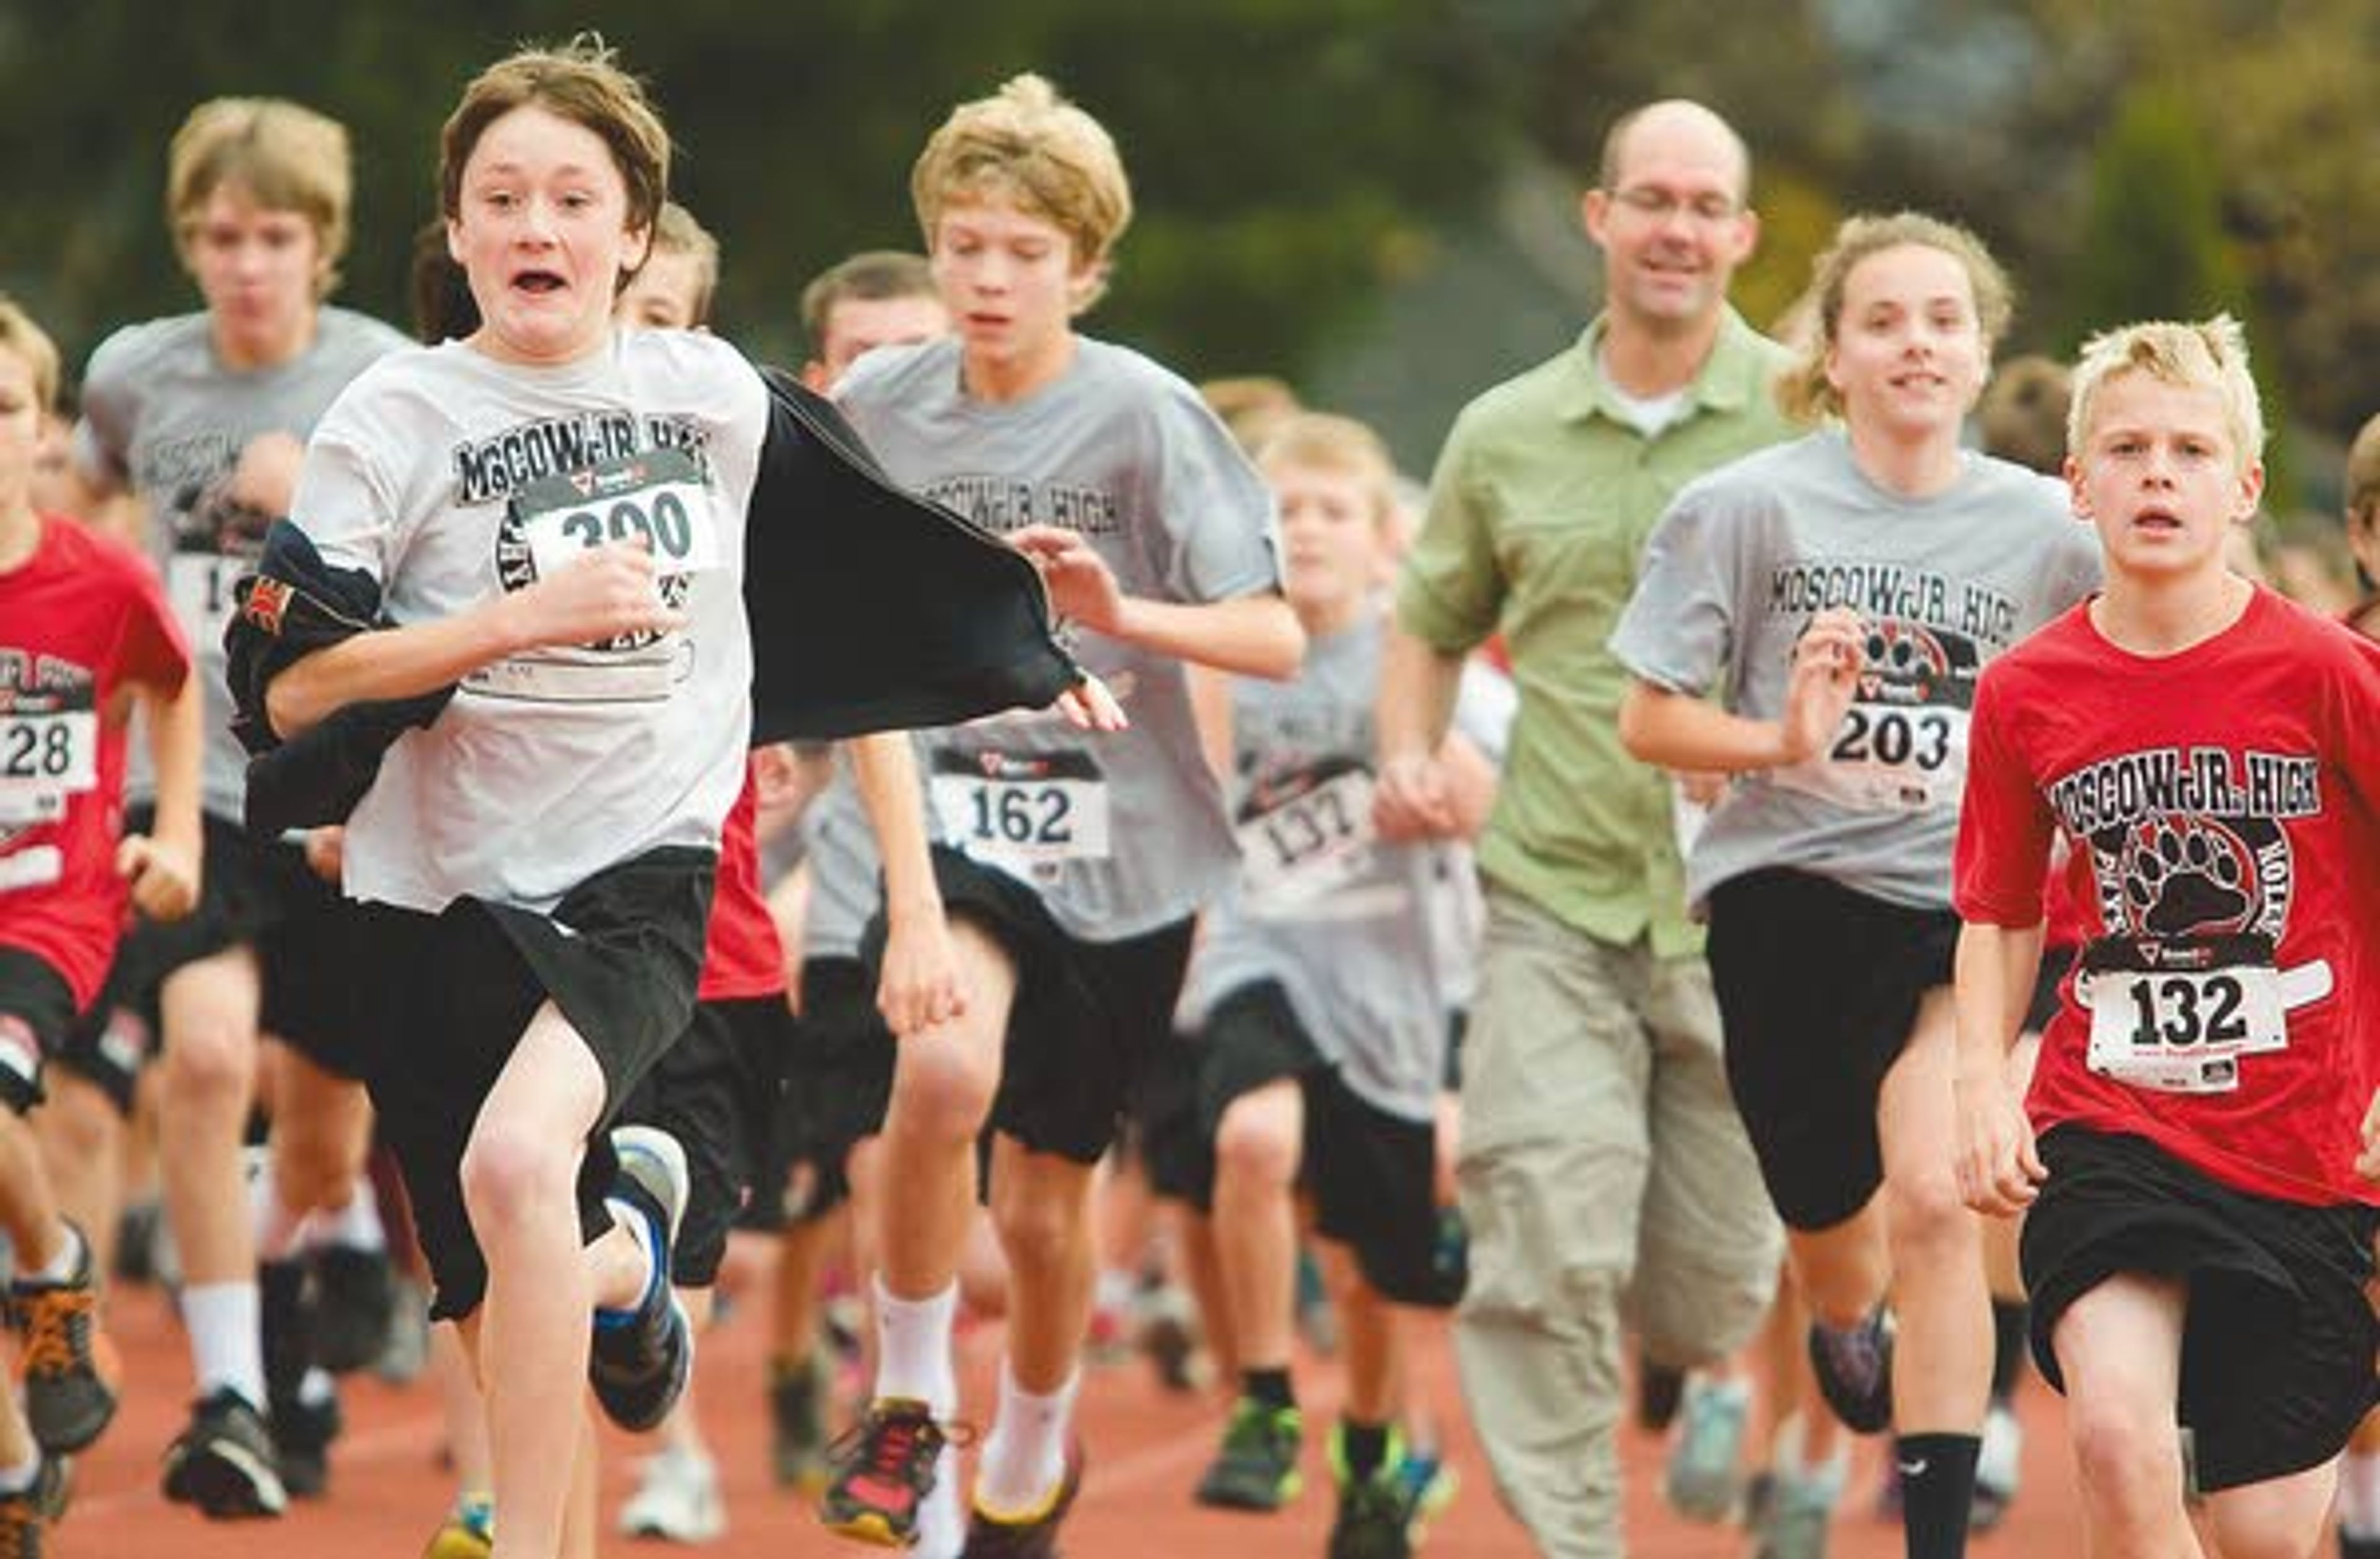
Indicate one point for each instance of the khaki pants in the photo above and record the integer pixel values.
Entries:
(1608, 1186)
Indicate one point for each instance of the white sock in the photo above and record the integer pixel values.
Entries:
(1025, 1459)
(942, 1523)
(19, 1477)
(280, 1228)
(640, 1229)
(912, 1348)
(2359, 1493)
(62, 1265)
(226, 1348)
(357, 1226)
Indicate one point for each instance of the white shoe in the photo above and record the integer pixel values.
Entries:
(677, 1501)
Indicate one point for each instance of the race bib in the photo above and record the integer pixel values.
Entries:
(659, 496)
(2183, 1030)
(1889, 758)
(201, 585)
(1300, 848)
(44, 759)
(1022, 809)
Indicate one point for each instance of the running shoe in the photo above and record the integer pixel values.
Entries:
(224, 1462)
(68, 1370)
(354, 1304)
(1030, 1537)
(678, 1500)
(798, 1425)
(639, 1360)
(1256, 1469)
(1701, 1479)
(1855, 1370)
(884, 1467)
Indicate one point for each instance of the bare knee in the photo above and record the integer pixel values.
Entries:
(1255, 1146)
(1036, 1232)
(509, 1173)
(942, 1091)
(2128, 1457)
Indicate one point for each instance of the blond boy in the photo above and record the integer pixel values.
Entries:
(1028, 964)
(2197, 1150)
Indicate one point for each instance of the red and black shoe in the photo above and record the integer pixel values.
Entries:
(1032, 1537)
(882, 1469)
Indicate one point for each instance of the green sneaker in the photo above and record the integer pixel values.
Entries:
(1257, 1467)
(1377, 1515)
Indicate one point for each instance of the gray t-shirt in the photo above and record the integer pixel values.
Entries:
(1341, 919)
(1124, 833)
(451, 478)
(1748, 555)
(164, 417)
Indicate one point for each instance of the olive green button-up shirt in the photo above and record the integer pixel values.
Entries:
(1538, 513)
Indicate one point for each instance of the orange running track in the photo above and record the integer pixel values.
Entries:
(1147, 1448)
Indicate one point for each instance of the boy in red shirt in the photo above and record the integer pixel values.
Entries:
(2198, 1150)
(85, 632)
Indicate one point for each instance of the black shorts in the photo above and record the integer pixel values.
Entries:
(253, 892)
(838, 1085)
(439, 1001)
(1370, 1176)
(1818, 986)
(1086, 1016)
(36, 1013)
(1164, 1129)
(2278, 1342)
(716, 1091)
(2055, 964)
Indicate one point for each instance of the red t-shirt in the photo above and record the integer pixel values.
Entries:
(2223, 807)
(741, 956)
(81, 621)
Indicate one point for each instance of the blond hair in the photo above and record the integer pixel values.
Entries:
(1252, 406)
(2211, 355)
(282, 155)
(1323, 441)
(581, 81)
(1804, 392)
(676, 231)
(20, 335)
(1027, 145)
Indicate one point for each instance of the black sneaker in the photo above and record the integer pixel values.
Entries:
(1256, 1469)
(884, 1467)
(1035, 1536)
(284, 1304)
(638, 1364)
(225, 1463)
(1855, 1370)
(354, 1304)
(69, 1370)
(798, 1425)
(303, 1433)
(1374, 1519)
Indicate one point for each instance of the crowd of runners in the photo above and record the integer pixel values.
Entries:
(1797, 878)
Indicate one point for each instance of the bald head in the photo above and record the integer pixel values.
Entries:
(1673, 128)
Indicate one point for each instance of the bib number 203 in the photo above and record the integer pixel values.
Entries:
(1893, 737)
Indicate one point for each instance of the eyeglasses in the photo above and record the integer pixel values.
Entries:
(1658, 205)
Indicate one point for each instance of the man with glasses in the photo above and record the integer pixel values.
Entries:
(1603, 1173)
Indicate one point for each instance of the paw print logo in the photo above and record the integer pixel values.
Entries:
(2186, 875)
(1904, 663)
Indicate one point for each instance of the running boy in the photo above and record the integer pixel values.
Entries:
(197, 418)
(1080, 865)
(2198, 1152)
(85, 635)
(1326, 989)
(1842, 591)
